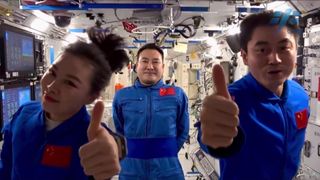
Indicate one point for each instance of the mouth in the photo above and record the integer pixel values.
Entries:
(274, 72)
(50, 99)
(149, 73)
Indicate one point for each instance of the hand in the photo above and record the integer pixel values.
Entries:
(219, 114)
(99, 157)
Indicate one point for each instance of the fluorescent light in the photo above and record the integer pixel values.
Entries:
(44, 16)
(281, 6)
(71, 38)
(81, 35)
(39, 25)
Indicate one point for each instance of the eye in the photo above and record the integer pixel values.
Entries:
(285, 48)
(261, 50)
(70, 83)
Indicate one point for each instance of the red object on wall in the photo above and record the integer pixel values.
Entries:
(128, 26)
(319, 89)
(118, 86)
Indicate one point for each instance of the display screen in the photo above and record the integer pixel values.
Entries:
(12, 99)
(19, 52)
(37, 92)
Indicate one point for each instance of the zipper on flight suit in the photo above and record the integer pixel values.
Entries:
(285, 117)
(148, 110)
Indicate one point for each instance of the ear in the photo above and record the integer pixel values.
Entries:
(244, 56)
(134, 67)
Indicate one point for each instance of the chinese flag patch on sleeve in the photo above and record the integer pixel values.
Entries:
(301, 119)
(167, 91)
(57, 156)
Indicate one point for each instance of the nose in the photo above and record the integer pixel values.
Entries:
(52, 87)
(149, 65)
(274, 58)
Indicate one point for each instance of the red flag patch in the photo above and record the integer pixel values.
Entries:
(57, 156)
(167, 91)
(301, 119)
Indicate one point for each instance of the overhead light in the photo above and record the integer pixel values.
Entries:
(44, 16)
(39, 25)
(71, 38)
(8, 13)
(281, 6)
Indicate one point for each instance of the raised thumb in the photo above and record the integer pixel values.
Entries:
(219, 81)
(95, 122)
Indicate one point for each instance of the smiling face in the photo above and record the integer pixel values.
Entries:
(271, 56)
(66, 87)
(149, 67)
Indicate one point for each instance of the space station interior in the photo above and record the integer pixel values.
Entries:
(194, 35)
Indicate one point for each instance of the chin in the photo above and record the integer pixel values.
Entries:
(149, 82)
(275, 83)
(48, 107)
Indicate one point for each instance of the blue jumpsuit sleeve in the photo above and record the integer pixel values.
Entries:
(6, 154)
(231, 150)
(117, 115)
(183, 121)
(222, 152)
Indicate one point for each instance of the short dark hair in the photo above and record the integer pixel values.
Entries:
(251, 22)
(151, 46)
(106, 54)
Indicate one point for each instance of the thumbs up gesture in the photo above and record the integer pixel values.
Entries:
(99, 157)
(219, 114)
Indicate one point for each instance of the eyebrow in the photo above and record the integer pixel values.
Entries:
(259, 43)
(286, 40)
(68, 75)
(145, 58)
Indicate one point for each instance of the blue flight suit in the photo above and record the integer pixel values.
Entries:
(155, 122)
(271, 133)
(31, 153)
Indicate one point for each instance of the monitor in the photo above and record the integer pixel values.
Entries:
(18, 53)
(12, 97)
